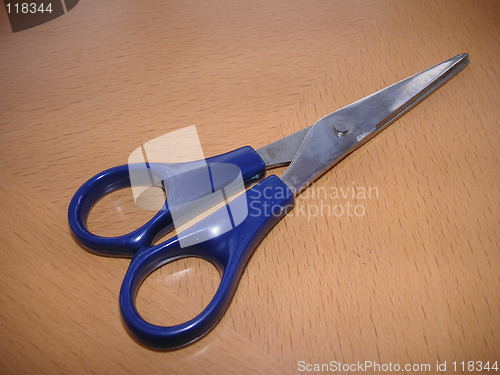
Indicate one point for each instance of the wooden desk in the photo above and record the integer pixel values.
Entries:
(414, 279)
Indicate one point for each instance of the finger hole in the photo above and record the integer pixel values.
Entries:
(118, 213)
(152, 198)
(177, 292)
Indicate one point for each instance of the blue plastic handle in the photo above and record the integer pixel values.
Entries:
(265, 204)
(184, 181)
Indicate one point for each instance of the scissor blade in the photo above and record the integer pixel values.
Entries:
(341, 132)
(283, 151)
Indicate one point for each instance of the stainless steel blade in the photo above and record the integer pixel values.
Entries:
(341, 132)
(282, 152)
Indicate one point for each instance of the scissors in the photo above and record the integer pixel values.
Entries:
(308, 153)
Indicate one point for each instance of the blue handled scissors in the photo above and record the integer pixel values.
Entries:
(309, 153)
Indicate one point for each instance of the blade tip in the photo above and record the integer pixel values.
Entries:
(463, 57)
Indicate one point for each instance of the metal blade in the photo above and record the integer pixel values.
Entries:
(341, 132)
(282, 152)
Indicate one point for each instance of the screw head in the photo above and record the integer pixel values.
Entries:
(341, 128)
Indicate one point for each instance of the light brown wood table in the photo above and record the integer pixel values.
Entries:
(412, 276)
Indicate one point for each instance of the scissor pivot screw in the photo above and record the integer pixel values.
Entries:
(341, 128)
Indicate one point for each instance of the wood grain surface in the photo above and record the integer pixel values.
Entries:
(410, 275)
